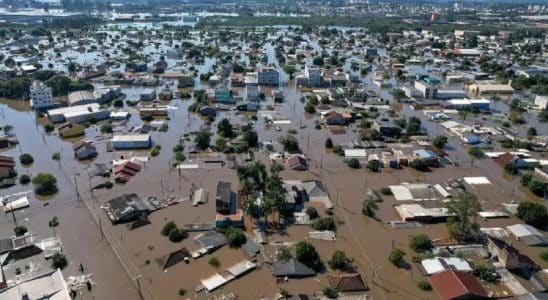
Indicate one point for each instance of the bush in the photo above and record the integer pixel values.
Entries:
(386, 191)
(26, 159)
(45, 184)
(396, 257)
(424, 285)
(202, 139)
(309, 108)
(369, 208)
(290, 143)
(484, 274)
(306, 254)
(544, 255)
(56, 156)
(330, 293)
(118, 103)
(176, 235)
(534, 214)
(179, 156)
(338, 260)
(475, 152)
(178, 148)
(106, 128)
(214, 262)
(353, 163)
(440, 141)
(374, 166)
(420, 242)
(284, 253)
(235, 236)
(24, 179)
(538, 187)
(155, 151)
(337, 149)
(328, 143)
(48, 128)
(419, 165)
(324, 224)
(20, 230)
(182, 292)
(168, 227)
(511, 168)
(59, 261)
(312, 212)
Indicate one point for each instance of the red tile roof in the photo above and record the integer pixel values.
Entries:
(454, 284)
(126, 170)
(504, 159)
(6, 161)
(347, 282)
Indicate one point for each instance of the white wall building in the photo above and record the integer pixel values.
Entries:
(541, 102)
(40, 96)
(313, 75)
(268, 76)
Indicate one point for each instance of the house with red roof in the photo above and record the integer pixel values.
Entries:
(7, 167)
(123, 172)
(456, 285)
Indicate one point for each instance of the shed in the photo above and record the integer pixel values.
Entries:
(200, 197)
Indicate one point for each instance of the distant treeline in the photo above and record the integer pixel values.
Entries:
(373, 23)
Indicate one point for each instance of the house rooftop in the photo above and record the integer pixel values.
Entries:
(347, 282)
(456, 285)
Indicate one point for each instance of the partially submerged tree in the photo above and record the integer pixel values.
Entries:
(465, 208)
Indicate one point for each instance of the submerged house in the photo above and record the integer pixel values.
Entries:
(223, 197)
(84, 150)
(292, 268)
(126, 208)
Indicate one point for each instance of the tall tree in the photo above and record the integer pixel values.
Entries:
(464, 208)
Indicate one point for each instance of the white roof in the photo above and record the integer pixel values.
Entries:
(51, 283)
(75, 109)
(401, 193)
(521, 230)
(354, 153)
(214, 282)
(439, 264)
(450, 124)
(241, 268)
(131, 138)
(477, 180)
(407, 211)
(16, 204)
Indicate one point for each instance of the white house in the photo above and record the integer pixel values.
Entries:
(541, 102)
(40, 96)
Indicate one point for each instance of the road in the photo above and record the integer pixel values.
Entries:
(98, 216)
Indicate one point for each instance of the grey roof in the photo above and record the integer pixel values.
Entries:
(126, 207)
(223, 191)
(292, 268)
(250, 248)
(211, 240)
(314, 189)
(97, 170)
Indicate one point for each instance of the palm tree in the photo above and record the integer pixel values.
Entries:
(275, 192)
(54, 222)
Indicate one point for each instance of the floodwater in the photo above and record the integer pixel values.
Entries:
(365, 240)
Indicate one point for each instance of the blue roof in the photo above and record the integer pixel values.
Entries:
(425, 154)
(472, 139)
